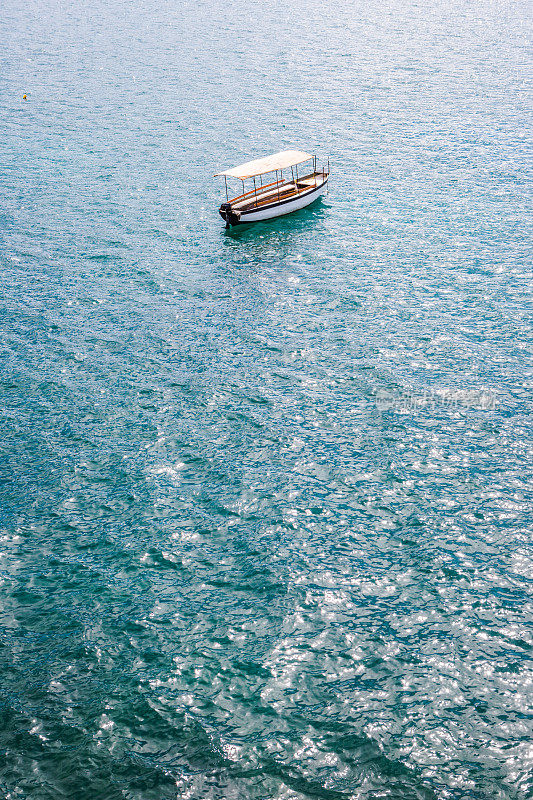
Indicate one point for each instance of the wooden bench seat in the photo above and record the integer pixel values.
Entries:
(269, 196)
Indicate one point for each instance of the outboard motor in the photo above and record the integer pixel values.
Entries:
(227, 213)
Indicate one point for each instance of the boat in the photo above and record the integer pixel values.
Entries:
(270, 199)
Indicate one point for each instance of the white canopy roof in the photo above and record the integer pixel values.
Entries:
(286, 158)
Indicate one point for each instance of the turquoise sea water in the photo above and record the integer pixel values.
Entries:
(265, 495)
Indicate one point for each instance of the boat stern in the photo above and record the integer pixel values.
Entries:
(229, 215)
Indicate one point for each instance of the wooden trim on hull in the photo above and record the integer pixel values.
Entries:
(278, 208)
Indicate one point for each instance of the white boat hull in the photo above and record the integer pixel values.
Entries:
(281, 208)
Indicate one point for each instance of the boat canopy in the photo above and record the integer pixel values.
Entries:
(282, 160)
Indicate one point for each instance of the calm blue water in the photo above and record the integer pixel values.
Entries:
(265, 495)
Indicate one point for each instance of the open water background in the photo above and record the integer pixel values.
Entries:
(266, 494)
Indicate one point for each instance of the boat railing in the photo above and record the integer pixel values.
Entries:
(279, 184)
(261, 188)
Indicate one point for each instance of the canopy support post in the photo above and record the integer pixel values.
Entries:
(226, 183)
(255, 192)
(277, 182)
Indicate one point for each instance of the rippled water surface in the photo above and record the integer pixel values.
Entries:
(265, 512)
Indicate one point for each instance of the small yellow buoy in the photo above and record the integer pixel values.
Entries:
(24, 97)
